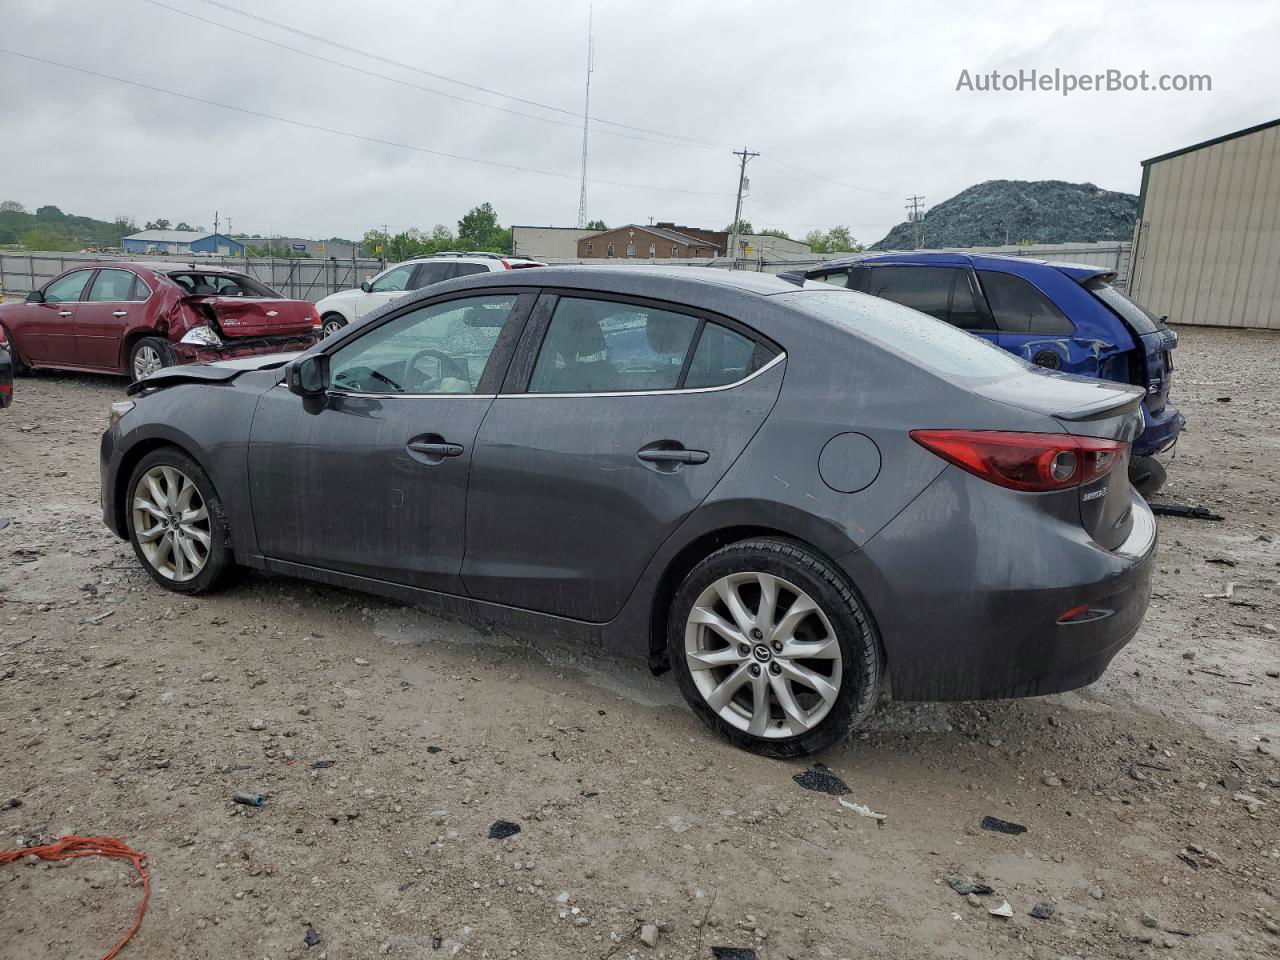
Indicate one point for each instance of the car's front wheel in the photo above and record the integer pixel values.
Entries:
(176, 523)
(331, 324)
(772, 648)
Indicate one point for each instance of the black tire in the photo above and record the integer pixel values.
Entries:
(798, 564)
(20, 369)
(331, 323)
(161, 348)
(219, 561)
(1147, 474)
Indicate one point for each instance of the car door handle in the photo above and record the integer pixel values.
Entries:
(64, 313)
(436, 449)
(673, 456)
(119, 313)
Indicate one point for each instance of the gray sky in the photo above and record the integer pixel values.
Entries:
(863, 93)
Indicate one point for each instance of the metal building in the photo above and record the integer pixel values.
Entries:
(1206, 247)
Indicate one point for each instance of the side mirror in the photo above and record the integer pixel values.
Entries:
(308, 376)
(35, 296)
(366, 287)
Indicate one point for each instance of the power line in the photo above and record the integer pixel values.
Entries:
(462, 83)
(838, 183)
(347, 133)
(410, 85)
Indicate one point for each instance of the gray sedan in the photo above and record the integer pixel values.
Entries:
(797, 499)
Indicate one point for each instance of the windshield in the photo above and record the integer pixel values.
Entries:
(1139, 318)
(200, 284)
(934, 344)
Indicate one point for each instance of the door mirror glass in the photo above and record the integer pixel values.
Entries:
(366, 287)
(35, 296)
(308, 376)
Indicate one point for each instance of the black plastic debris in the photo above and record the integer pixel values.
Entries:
(312, 938)
(433, 749)
(501, 829)
(965, 886)
(1182, 510)
(1002, 826)
(822, 780)
(733, 953)
(1042, 911)
(437, 943)
(249, 798)
(323, 764)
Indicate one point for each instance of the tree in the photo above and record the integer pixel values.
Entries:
(50, 212)
(597, 225)
(183, 225)
(835, 240)
(479, 230)
(743, 227)
(12, 206)
(45, 238)
(774, 232)
(160, 224)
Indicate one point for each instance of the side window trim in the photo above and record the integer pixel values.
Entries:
(520, 369)
(504, 348)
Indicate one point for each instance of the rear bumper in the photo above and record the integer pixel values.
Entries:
(967, 586)
(1159, 431)
(247, 347)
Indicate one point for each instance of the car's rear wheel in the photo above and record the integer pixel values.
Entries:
(177, 524)
(20, 369)
(1147, 474)
(332, 323)
(772, 648)
(149, 355)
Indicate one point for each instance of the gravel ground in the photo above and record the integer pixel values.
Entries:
(388, 741)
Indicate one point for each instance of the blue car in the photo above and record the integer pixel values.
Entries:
(1062, 316)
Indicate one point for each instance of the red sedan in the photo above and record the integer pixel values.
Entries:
(134, 318)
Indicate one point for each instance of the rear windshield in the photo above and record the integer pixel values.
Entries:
(934, 344)
(1139, 318)
(199, 284)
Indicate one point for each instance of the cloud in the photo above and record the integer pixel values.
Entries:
(860, 93)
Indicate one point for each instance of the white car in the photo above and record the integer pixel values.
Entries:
(348, 306)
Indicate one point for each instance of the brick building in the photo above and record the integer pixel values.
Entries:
(659, 241)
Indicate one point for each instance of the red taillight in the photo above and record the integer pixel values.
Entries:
(1037, 462)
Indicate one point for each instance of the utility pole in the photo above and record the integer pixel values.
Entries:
(586, 116)
(215, 221)
(746, 155)
(386, 243)
(914, 215)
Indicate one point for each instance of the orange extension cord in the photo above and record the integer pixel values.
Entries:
(69, 848)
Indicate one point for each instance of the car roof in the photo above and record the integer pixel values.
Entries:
(627, 279)
(1027, 266)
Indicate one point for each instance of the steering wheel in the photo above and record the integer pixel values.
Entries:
(449, 367)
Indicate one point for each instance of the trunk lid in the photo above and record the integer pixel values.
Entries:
(1086, 408)
(260, 317)
(1153, 365)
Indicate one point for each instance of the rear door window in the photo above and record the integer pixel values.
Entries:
(467, 269)
(433, 272)
(927, 289)
(1019, 307)
(1142, 320)
(111, 286)
(724, 356)
(602, 346)
(839, 278)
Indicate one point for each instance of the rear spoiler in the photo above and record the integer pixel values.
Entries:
(793, 276)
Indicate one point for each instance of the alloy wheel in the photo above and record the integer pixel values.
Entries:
(171, 523)
(331, 327)
(146, 360)
(763, 655)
